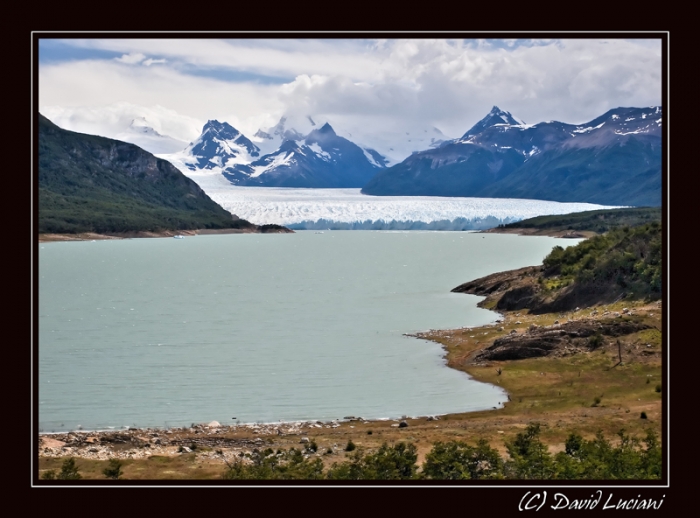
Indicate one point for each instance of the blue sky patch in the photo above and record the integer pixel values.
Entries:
(57, 51)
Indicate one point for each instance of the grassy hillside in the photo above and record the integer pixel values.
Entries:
(95, 184)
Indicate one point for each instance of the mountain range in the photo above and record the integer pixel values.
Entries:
(615, 159)
(318, 159)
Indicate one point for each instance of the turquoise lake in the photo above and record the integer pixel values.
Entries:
(304, 326)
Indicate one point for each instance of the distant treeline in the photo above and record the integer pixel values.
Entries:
(599, 221)
(528, 459)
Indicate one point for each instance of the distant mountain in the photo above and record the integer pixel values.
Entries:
(220, 145)
(95, 184)
(319, 158)
(615, 159)
(495, 117)
(295, 129)
(141, 132)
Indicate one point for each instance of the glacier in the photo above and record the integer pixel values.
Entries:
(348, 209)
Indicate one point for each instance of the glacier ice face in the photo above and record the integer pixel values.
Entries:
(349, 209)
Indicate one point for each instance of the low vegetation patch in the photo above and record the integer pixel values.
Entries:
(527, 457)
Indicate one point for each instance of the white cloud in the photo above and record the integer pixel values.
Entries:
(115, 118)
(131, 59)
(395, 84)
(150, 62)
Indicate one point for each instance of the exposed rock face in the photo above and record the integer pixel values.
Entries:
(544, 341)
(519, 289)
(517, 298)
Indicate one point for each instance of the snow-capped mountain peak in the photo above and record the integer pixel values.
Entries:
(141, 125)
(494, 117)
(141, 132)
(219, 145)
(321, 158)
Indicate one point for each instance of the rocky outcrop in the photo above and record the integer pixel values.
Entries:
(557, 339)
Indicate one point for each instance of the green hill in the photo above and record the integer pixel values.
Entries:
(598, 221)
(622, 263)
(95, 184)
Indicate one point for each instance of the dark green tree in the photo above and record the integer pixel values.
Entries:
(529, 456)
(456, 460)
(268, 465)
(396, 462)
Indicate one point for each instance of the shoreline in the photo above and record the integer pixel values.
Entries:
(522, 231)
(94, 236)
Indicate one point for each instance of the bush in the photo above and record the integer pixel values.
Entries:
(595, 341)
(312, 446)
(643, 415)
(290, 465)
(456, 460)
(599, 460)
(658, 388)
(396, 462)
(114, 470)
(530, 457)
(350, 446)
(69, 471)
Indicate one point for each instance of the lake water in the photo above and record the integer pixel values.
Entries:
(305, 326)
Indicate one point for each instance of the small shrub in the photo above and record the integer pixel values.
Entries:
(643, 415)
(193, 446)
(329, 451)
(69, 471)
(114, 470)
(49, 475)
(369, 432)
(350, 446)
(647, 381)
(596, 401)
(312, 446)
(595, 341)
(658, 388)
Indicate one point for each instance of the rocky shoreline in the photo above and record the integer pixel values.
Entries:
(212, 439)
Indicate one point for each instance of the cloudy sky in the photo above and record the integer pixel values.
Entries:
(374, 88)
